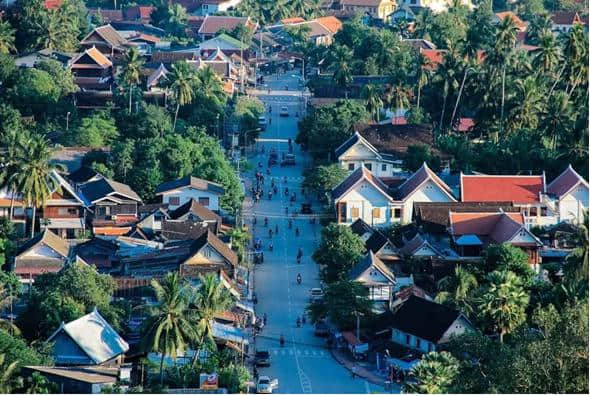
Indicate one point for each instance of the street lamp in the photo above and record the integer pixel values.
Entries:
(68, 121)
(459, 96)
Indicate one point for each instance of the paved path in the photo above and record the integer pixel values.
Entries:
(304, 364)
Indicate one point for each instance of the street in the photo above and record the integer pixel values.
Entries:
(304, 364)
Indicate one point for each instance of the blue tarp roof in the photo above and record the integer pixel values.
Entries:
(468, 240)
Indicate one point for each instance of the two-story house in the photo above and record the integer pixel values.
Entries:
(92, 70)
(381, 148)
(363, 195)
(178, 192)
(372, 273)
(64, 212)
(212, 24)
(564, 21)
(45, 252)
(106, 40)
(424, 325)
(568, 196)
(111, 202)
(378, 9)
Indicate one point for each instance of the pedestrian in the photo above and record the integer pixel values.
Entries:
(276, 229)
(353, 371)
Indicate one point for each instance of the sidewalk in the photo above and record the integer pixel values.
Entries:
(361, 371)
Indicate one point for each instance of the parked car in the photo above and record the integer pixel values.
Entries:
(289, 160)
(262, 122)
(284, 112)
(266, 385)
(315, 294)
(306, 208)
(262, 359)
(321, 329)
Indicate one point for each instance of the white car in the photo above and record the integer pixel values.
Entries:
(315, 294)
(266, 385)
(284, 112)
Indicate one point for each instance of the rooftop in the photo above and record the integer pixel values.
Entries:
(513, 188)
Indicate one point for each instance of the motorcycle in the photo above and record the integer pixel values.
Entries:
(297, 231)
(282, 340)
(298, 279)
(298, 322)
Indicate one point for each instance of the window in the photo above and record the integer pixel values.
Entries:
(533, 211)
(62, 211)
(418, 343)
(384, 167)
(101, 210)
(397, 213)
(354, 212)
(407, 339)
(174, 200)
(72, 211)
(204, 201)
(342, 207)
(369, 166)
(350, 167)
(377, 212)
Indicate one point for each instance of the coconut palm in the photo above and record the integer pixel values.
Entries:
(168, 329)
(32, 179)
(182, 80)
(449, 75)
(340, 65)
(423, 76)
(209, 299)
(435, 373)
(556, 119)
(176, 20)
(209, 84)
(504, 301)
(547, 55)
(456, 290)
(423, 24)
(506, 34)
(132, 70)
(372, 95)
(385, 50)
(6, 38)
(528, 104)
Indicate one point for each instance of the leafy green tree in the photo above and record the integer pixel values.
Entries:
(131, 75)
(234, 377)
(417, 155)
(34, 91)
(12, 139)
(182, 80)
(6, 38)
(504, 301)
(7, 378)
(168, 329)
(247, 110)
(340, 65)
(98, 130)
(339, 250)
(16, 352)
(65, 296)
(457, 290)
(342, 301)
(324, 178)
(506, 257)
(39, 384)
(10, 287)
(435, 373)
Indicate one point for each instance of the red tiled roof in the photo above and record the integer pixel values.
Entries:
(498, 226)
(517, 21)
(288, 21)
(331, 23)
(517, 189)
(52, 4)
(361, 3)
(399, 121)
(418, 178)
(434, 56)
(107, 15)
(139, 12)
(565, 18)
(565, 182)
(212, 24)
(111, 230)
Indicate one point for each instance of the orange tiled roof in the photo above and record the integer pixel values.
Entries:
(509, 188)
(517, 21)
(288, 21)
(111, 230)
(331, 23)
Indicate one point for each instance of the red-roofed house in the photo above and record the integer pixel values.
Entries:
(139, 13)
(213, 24)
(472, 232)
(564, 21)
(520, 24)
(465, 125)
(526, 192)
(568, 194)
(92, 70)
(52, 4)
(433, 56)
(362, 195)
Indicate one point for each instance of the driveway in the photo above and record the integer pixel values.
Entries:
(304, 364)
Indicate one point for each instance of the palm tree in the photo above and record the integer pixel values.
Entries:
(210, 84)
(423, 75)
(506, 34)
(132, 70)
(209, 299)
(557, 118)
(168, 329)
(538, 24)
(176, 20)
(386, 48)
(547, 54)
(340, 65)
(504, 301)
(456, 289)
(449, 74)
(32, 179)
(7, 372)
(6, 38)
(435, 373)
(398, 97)
(182, 80)
(372, 94)
(423, 24)
(529, 100)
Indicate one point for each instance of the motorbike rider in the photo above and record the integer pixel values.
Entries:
(282, 340)
(266, 221)
(276, 229)
(270, 246)
(298, 322)
(296, 231)
(270, 232)
(298, 279)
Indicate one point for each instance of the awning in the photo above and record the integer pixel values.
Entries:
(469, 240)
(229, 333)
(75, 223)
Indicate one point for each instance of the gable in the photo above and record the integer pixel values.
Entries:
(86, 60)
(66, 351)
(578, 193)
(42, 250)
(94, 36)
(206, 255)
(523, 236)
(388, 248)
(359, 150)
(429, 192)
(458, 327)
(372, 275)
(365, 191)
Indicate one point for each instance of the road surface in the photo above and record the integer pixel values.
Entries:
(304, 364)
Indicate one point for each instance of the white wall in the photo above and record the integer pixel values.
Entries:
(187, 193)
(366, 197)
(401, 338)
(572, 206)
(359, 155)
(459, 326)
(41, 251)
(429, 192)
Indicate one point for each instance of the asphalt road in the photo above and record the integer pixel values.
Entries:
(304, 364)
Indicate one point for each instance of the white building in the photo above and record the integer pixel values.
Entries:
(178, 192)
(568, 196)
(363, 195)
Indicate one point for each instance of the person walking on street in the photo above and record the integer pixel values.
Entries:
(353, 371)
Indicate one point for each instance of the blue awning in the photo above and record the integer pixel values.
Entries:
(469, 240)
